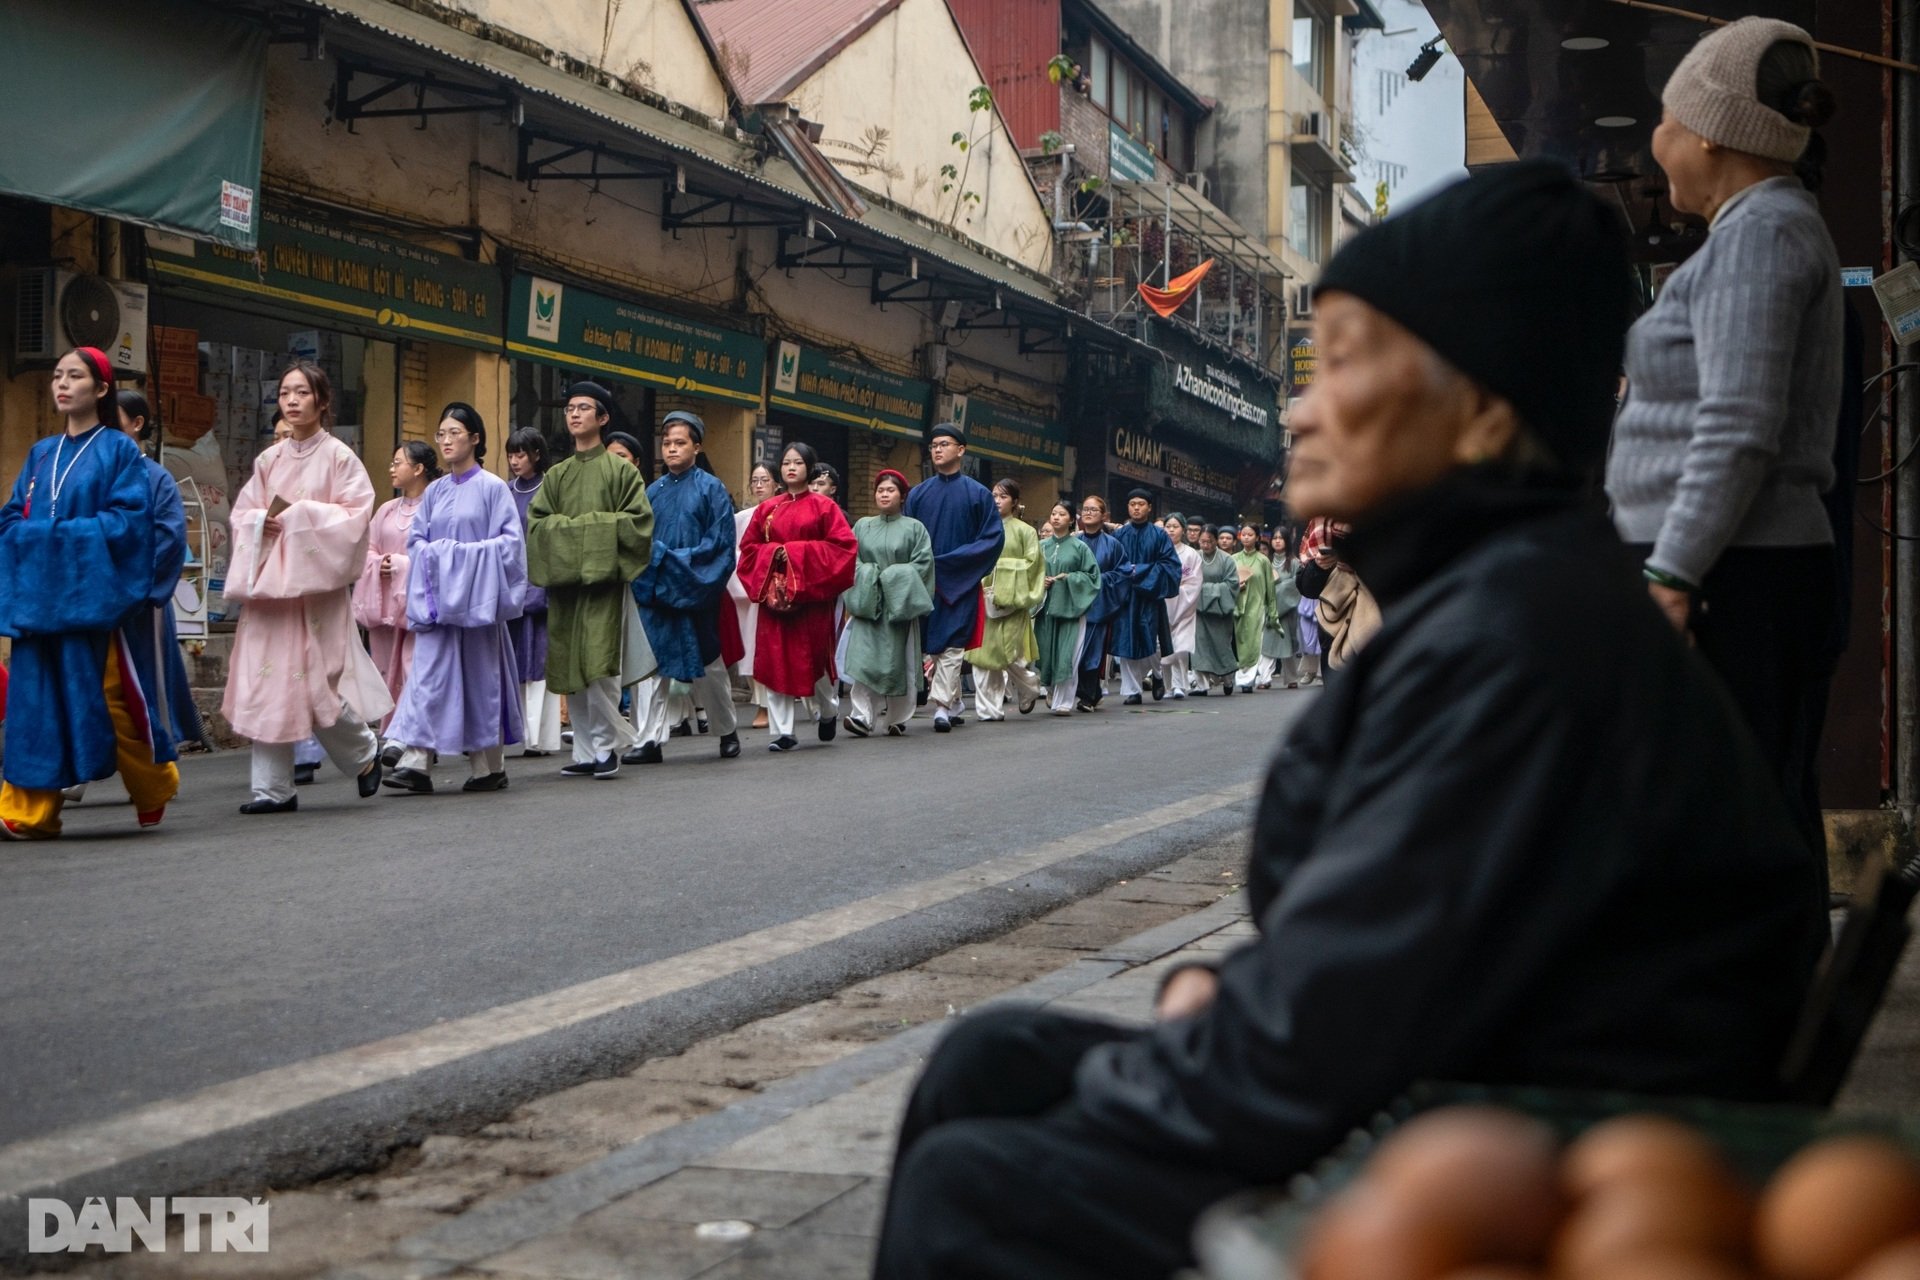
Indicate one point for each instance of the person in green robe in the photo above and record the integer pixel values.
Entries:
(1256, 606)
(1280, 644)
(1215, 657)
(892, 590)
(589, 535)
(1010, 594)
(1071, 585)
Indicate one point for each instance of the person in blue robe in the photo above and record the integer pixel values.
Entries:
(156, 647)
(1114, 589)
(964, 525)
(1151, 568)
(682, 591)
(76, 572)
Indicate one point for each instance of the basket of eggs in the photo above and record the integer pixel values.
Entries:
(1466, 1184)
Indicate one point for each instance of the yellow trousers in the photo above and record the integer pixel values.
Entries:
(150, 785)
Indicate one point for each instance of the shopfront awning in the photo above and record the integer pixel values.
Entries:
(150, 111)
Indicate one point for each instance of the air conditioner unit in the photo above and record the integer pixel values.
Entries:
(1198, 181)
(1302, 301)
(56, 311)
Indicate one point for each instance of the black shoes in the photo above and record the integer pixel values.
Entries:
(943, 724)
(681, 730)
(289, 805)
(608, 767)
(370, 781)
(1027, 705)
(645, 753)
(411, 781)
(785, 742)
(486, 782)
(304, 774)
(730, 746)
(829, 725)
(582, 769)
(1159, 688)
(1131, 700)
(857, 727)
(896, 731)
(390, 754)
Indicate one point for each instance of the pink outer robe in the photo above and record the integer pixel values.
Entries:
(380, 604)
(296, 653)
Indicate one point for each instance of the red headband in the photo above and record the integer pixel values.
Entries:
(97, 361)
(895, 476)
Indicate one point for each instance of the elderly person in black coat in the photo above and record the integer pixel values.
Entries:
(1522, 838)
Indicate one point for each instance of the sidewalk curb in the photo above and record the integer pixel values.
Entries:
(551, 1205)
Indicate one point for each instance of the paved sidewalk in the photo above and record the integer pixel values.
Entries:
(788, 1183)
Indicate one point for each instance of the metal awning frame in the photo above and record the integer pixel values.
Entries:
(1193, 214)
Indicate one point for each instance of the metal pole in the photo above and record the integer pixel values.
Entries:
(1166, 243)
(1233, 303)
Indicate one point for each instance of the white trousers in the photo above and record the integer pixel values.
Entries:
(1178, 677)
(484, 762)
(348, 742)
(879, 711)
(782, 709)
(1246, 676)
(1264, 669)
(1134, 675)
(1061, 696)
(990, 689)
(945, 694)
(664, 710)
(599, 730)
(541, 711)
(1300, 668)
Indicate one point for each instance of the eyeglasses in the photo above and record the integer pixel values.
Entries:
(453, 433)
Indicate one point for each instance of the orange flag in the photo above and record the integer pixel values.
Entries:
(1169, 300)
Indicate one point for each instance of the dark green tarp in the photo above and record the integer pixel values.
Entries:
(149, 111)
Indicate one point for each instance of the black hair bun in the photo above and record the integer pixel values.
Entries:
(1812, 104)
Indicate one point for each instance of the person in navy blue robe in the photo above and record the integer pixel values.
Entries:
(1114, 589)
(1151, 568)
(967, 535)
(682, 591)
(159, 644)
(76, 572)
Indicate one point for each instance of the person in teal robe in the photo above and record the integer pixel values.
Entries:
(893, 586)
(1215, 659)
(1072, 584)
(1256, 611)
(1279, 645)
(1001, 661)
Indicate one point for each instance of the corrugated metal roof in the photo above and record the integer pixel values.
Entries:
(768, 47)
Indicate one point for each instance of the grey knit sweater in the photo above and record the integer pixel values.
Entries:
(1733, 391)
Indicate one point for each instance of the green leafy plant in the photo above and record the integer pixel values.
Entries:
(1060, 68)
(979, 128)
(1051, 141)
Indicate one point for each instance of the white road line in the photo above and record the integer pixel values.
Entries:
(58, 1157)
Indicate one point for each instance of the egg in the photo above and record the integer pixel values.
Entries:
(1372, 1233)
(1899, 1261)
(1666, 1266)
(1490, 1171)
(1835, 1205)
(1636, 1147)
(1677, 1213)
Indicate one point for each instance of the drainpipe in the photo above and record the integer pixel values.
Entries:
(1906, 492)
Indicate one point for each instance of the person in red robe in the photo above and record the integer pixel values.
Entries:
(797, 555)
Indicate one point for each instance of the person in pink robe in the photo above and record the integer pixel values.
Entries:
(380, 596)
(300, 529)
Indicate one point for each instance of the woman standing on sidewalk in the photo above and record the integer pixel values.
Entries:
(539, 710)
(892, 590)
(1013, 589)
(1072, 584)
(796, 557)
(1724, 444)
(76, 567)
(380, 596)
(299, 542)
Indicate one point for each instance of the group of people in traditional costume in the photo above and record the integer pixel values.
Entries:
(486, 601)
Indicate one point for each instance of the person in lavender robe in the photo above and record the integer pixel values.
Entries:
(467, 581)
(540, 710)
(683, 590)
(967, 535)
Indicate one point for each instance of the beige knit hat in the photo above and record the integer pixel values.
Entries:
(1713, 91)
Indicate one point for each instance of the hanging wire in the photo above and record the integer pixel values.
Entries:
(1878, 416)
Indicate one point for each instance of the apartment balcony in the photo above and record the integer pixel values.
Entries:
(1314, 133)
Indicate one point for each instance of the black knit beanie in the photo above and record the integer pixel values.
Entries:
(1518, 276)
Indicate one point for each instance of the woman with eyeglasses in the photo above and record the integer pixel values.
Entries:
(468, 579)
(380, 596)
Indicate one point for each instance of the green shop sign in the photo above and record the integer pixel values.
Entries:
(568, 325)
(812, 382)
(357, 278)
(1011, 435)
